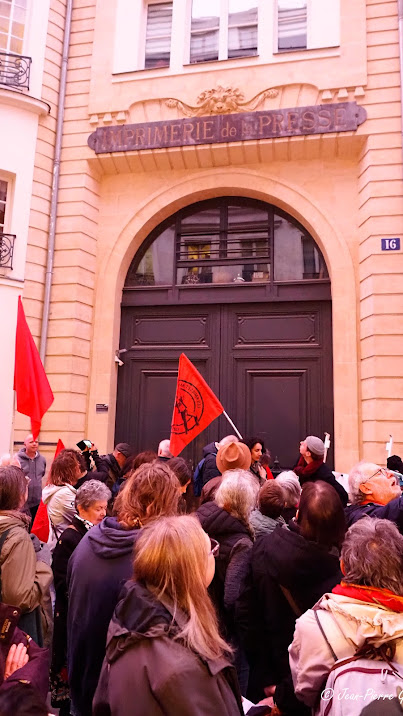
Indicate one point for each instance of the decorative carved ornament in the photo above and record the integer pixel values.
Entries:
(221, 100)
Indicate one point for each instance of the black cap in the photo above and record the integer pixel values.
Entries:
(125, 449)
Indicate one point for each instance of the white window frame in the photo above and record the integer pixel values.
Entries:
(26, 26)
(142, 43)
(7, 212)
(222, 33)
(319, 14)
(323, 33)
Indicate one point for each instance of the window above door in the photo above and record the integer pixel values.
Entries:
(227, 241)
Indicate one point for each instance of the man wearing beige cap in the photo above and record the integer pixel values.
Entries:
(311, 467)
(230, 456)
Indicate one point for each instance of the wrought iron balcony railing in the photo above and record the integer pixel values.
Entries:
(6, 250)
(14, 70)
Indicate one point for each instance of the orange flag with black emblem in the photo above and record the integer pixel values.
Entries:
(195, 406)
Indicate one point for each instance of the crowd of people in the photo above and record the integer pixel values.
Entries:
(227, 591)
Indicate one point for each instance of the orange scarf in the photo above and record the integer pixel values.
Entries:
(369, 594)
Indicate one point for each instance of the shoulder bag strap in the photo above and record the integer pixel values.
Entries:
(324, 635)
(291, 601)
(2, 540)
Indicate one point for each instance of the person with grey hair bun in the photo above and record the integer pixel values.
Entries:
(91, 502)
(364, 611)
(292, 492)
(374, 491)
(226, 520)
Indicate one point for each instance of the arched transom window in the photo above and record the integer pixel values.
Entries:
(229, 240)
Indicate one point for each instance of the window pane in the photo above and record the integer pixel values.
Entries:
(4, 24)
(3, 190)
(3, 42)
(292, 23)
(5, 8)
(230, 273)
(16, 45)
(3, 198)
(156, 266)
(19, 14)
(296, 256)
(204, 220)
(17, 30)
(204, 31)
(158, 35)
(242, 28)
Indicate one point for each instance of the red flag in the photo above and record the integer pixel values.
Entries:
(195, 406)
(59, 447)
(34, 395)
(41, 524)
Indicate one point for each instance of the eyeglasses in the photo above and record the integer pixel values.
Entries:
(381, 471)
(215, 547)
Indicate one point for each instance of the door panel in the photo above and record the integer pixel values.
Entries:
(270, 364)
(153, 339)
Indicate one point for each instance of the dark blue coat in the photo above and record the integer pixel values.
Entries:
(97, 570)
(393, 511)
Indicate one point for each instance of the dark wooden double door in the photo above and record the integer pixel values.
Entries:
(270, 364)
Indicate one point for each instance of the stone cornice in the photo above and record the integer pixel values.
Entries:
(23, 101)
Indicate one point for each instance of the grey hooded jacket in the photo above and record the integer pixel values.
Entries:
(34, 468)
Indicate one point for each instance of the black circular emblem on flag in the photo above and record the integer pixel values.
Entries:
(189, 408)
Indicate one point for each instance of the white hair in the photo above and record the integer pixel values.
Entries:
(164, 449)
(237, 493)
(291, 487)
(228, 439)
(6, 460)
(92, 491)
(359, 474)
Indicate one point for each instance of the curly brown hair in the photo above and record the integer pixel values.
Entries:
(151, 491)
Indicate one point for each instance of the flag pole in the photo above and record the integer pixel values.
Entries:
(231, 423)
(389, 446)
(327, 445)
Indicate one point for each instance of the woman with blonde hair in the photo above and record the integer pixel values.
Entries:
(164, 653)
(99, 567)
(227, 520)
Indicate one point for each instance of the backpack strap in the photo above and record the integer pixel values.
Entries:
(2, 540)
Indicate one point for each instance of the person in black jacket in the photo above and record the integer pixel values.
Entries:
(374, 491)
(311, 467)
(109, 467)
(226, 520)
(291, 569)
(209, 467)
(91, 501)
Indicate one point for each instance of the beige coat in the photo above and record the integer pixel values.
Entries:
(24, 580)
(347, 623)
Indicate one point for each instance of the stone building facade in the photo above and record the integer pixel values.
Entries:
(133, 62)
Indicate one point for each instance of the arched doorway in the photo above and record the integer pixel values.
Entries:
(242, 288)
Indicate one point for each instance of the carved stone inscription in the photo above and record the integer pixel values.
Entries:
(318, 119)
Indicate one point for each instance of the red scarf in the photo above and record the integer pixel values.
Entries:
(369, 594)
(305, 470)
